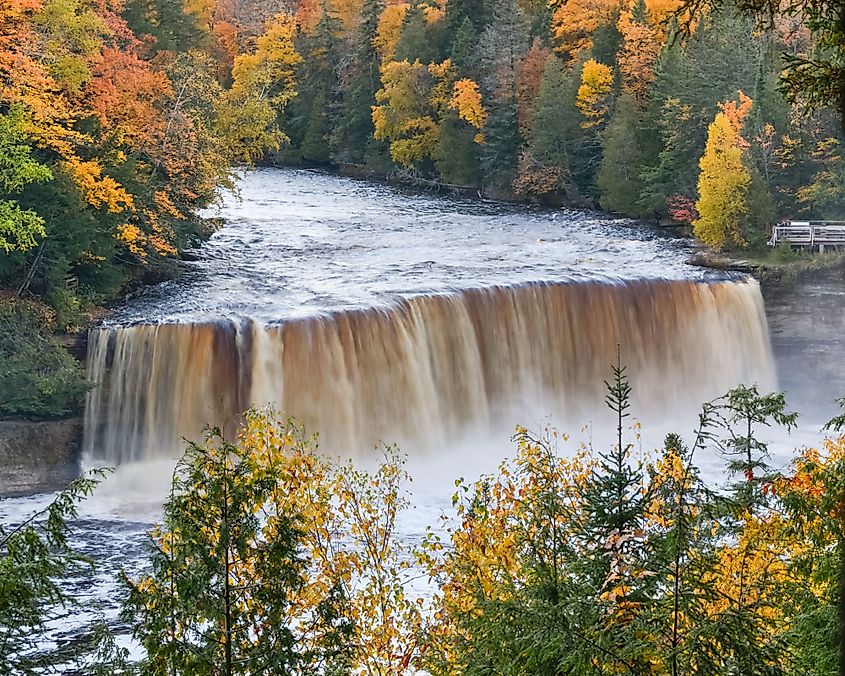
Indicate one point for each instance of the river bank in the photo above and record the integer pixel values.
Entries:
(537, 244)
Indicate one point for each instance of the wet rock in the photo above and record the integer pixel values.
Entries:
(38, 456)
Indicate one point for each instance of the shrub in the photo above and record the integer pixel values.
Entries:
(38, 377)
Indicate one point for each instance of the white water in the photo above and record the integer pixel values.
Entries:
(433, 322)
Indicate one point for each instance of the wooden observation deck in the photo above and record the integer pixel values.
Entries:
(810, 235)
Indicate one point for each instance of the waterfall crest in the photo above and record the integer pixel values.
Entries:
(424, 369)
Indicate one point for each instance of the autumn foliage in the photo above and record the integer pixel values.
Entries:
(584, 560)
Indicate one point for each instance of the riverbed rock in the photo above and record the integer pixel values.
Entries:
(38, 456)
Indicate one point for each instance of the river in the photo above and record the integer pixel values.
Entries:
(432, 321)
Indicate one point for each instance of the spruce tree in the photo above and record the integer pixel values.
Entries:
(353, 141)
(226, 567)
(554, 133)
(619, 179)
(417, 40)
(456, 155)
(314, 110)
(463, 47)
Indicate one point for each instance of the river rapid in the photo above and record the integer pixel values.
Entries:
(433, 321)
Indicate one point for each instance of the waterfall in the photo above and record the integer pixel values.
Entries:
(427, 367)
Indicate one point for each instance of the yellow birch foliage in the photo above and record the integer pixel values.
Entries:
(466, 99)
(723, 182)
(501, 522)
(263, 82)
(390, 30)
(404, 116)
(347, 521)
(593, 98)
(575, 21)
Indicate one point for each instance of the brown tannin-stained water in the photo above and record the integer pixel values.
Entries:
(430, 368)
(376, 314)
(436, 323)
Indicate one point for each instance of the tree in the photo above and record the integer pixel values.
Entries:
(353, 141)
(575, 22)
(722, 186)
(417, 40)
(273, 559)
(456, 154)
(462, 51)
(593, 98)
(38, 378)
(641, 46)
(815, 77)
(263, 82)
(390, 28)
(553, 135)
(529, 77)
(19, 229)
(35, 557)
(226, 571)
(404, 116)
(501, 47)
(619, 180)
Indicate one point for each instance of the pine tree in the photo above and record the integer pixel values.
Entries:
(619, 179)
(173, 28)
(500, 50)
(353, 141)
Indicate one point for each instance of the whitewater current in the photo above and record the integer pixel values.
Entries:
(380, 314)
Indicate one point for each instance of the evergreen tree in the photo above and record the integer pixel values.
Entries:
(456, 155)
(463, 47)
(619, 179)
(555, 137)
(501, 48)
(173, 28)
(691, 78)
(310, 117)
(226, 570)
(36, 556)
(477, 12)
(353, 140)
(418, 40)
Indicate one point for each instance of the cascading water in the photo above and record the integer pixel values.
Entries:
(374, 314)
(428, 367)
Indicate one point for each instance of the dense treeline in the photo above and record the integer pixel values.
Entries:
(630, 105)
(121, 119)
(273, 559)
(118, 122)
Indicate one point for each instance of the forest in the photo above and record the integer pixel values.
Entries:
(121, 120)
(271, 558)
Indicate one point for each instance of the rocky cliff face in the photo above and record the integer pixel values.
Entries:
(38, 456)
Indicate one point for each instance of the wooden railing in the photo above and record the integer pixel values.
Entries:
(809, 234)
